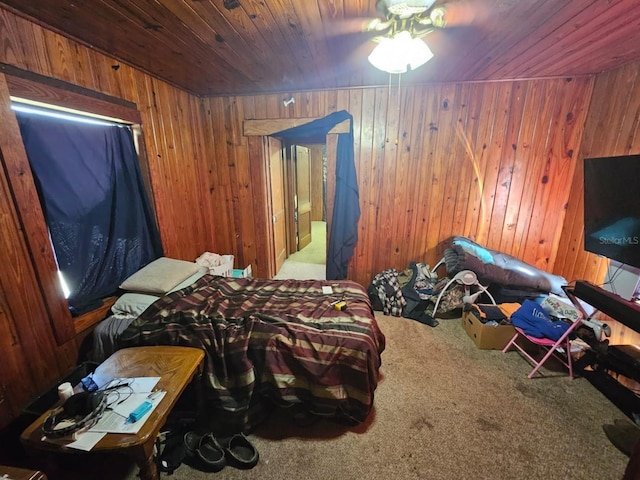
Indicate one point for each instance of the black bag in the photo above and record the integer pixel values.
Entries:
(374, 298)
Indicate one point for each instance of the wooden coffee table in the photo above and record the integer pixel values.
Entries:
(14, 473)
(176, 366)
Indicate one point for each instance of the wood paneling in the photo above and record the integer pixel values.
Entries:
(612, 128)
(490, 161)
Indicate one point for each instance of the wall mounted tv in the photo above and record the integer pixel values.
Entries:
(612, 208)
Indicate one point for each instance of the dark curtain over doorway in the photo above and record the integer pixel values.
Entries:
(346, 209)
(95, 204)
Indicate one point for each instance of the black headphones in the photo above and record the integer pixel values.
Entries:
(81, 410)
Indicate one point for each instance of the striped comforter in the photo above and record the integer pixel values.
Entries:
(272, 342)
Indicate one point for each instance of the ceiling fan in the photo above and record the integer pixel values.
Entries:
(402, 24)
(415, 16)
(399, 34)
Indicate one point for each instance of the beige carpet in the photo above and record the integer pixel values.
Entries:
(301, 271)
(316, 251)
(444, 410)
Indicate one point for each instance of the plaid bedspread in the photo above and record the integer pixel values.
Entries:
(272, 342)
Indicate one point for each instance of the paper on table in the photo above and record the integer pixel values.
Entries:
(87, 440)
(116, 420)
(143, 384)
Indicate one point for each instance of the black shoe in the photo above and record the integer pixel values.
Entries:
(240, 453)
(211, 455)
(191, 444)
(203, 452)
(623, 435)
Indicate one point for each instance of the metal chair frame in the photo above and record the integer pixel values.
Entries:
(550, 346)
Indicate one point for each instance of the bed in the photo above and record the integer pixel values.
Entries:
(267, 343)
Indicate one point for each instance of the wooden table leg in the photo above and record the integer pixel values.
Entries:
(144, 457)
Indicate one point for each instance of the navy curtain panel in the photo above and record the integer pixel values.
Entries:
(94, 201)
(346, 209)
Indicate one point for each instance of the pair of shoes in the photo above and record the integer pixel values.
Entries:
(239, 452)
(623, 435)
(204, 452)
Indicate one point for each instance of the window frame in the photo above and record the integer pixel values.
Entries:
(37, 88)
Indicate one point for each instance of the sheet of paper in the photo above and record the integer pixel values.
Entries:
(327, 290)
(143, 384)
(131, 384)
(115, 420)
(87, 440)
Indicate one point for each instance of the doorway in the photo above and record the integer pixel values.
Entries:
(342, 202)
(304, 174)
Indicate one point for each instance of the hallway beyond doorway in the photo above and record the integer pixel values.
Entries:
(310, 262)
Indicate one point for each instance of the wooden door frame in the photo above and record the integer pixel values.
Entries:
(256, 131)
(290, 203)
(277, 189)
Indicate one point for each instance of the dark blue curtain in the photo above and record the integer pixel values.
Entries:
(346, 209)
(94, 201)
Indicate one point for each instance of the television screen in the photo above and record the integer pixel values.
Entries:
(612, 208)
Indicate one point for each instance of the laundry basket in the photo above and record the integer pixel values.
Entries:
(221, 265)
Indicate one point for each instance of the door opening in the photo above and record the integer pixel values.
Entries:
(305, 168)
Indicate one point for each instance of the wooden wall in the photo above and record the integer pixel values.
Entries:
(612, 128)
(493, 161)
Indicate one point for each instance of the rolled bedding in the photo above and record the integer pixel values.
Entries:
(491, 266)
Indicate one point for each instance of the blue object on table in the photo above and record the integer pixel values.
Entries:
(140, 411)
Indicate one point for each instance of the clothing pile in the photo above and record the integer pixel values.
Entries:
(412, 293)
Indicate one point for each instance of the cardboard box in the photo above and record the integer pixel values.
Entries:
(242, 273)
(487, 337)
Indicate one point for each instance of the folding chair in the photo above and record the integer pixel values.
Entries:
(550, 346)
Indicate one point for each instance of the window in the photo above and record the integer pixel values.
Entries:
(39, 89)
(94, 202)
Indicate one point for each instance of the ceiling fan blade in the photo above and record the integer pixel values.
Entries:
(358, 25)
(458, 14)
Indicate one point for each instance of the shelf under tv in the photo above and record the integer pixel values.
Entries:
(600, 367)
(624, 311)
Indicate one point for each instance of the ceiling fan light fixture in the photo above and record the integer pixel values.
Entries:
(407, 7)
(400, 53)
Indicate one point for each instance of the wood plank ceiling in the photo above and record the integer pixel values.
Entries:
(260, 46)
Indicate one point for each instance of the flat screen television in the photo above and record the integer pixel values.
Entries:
(612, 208)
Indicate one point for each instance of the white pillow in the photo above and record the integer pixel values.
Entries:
(160, 276)
(132, 304)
